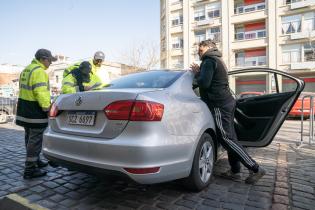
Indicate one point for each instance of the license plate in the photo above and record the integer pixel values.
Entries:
(81, 118)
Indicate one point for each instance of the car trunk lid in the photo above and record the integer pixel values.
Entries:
(83, 113)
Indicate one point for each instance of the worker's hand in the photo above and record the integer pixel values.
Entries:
(195, 68)
(86, 88)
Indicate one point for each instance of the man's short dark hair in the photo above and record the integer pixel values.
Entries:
(207, 43)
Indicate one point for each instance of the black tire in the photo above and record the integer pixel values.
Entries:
(3, 117)
(194, 181)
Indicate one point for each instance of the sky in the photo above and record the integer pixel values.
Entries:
(75, 28)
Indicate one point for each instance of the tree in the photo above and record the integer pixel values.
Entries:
(144, 55)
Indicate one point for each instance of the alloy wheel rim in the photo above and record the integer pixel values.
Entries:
(205, 162)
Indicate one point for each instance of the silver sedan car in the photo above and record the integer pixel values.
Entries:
(152, 127)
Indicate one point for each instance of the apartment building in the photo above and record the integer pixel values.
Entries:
(277, 34)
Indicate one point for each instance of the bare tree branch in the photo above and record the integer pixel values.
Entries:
(144, 55)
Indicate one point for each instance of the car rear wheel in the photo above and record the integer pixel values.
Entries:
(3, 117)
(203, 164)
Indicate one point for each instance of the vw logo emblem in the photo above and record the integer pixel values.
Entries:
(78, 101)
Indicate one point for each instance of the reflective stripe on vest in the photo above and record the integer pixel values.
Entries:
(68, 83)
(27, 87)
(29, 120)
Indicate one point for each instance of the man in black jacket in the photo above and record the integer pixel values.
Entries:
(212, 79)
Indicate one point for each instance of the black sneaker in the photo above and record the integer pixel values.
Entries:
(41, 164)
(254, 177)
(33, 172)
(231, 175)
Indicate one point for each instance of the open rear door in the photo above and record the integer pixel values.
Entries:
(264, 98)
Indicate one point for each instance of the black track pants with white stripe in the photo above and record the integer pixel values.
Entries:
(224, 119)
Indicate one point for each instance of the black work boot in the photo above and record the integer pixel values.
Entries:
(32, 171)
(41, 164)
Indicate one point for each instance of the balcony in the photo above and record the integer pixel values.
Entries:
(251, 61)
(216, 37)
(198, 1)
(177, 51)
(303, 65)
(176, 5)
(176, 29)
(303, 35)
(204, 22)
(250, 35)
(297, 4)
(249, 8)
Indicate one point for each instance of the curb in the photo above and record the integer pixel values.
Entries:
(16, 202)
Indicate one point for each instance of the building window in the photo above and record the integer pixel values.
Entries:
(309, 21)
(250, 31)
(177, 43)
(291, 54)
(249, 6)
(208, 11)
(309, 52)
(247, 58)
(200, 36)
(200, 14)
(178, 20)
(214, 34)
(291, 1)
(57, 79)
(213, 10)
(211, 33)
(291, 24)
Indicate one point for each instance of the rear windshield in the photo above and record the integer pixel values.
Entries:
(149, 79)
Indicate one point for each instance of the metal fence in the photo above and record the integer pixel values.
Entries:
(7, 109)
(310, 132)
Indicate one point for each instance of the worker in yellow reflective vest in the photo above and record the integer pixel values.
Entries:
(80, 79)
(32, 110)
(96, 64)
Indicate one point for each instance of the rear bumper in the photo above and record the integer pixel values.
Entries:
(172, 154)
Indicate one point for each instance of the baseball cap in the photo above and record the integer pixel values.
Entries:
(99, 55)
(45, 54)
(85, 67)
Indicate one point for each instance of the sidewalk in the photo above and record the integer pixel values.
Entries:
(288, 184)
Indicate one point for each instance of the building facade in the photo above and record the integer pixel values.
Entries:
(277, 34)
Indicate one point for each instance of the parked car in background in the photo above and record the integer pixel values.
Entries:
(296, 111)
(152, 127)
(7, 108)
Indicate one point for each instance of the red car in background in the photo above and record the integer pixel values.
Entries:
(296, 110)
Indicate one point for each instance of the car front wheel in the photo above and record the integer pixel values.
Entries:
(203, 164)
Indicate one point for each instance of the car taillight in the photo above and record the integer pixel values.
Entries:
(134, 111)
(53, 111)
(118, 110)
(146, 111)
